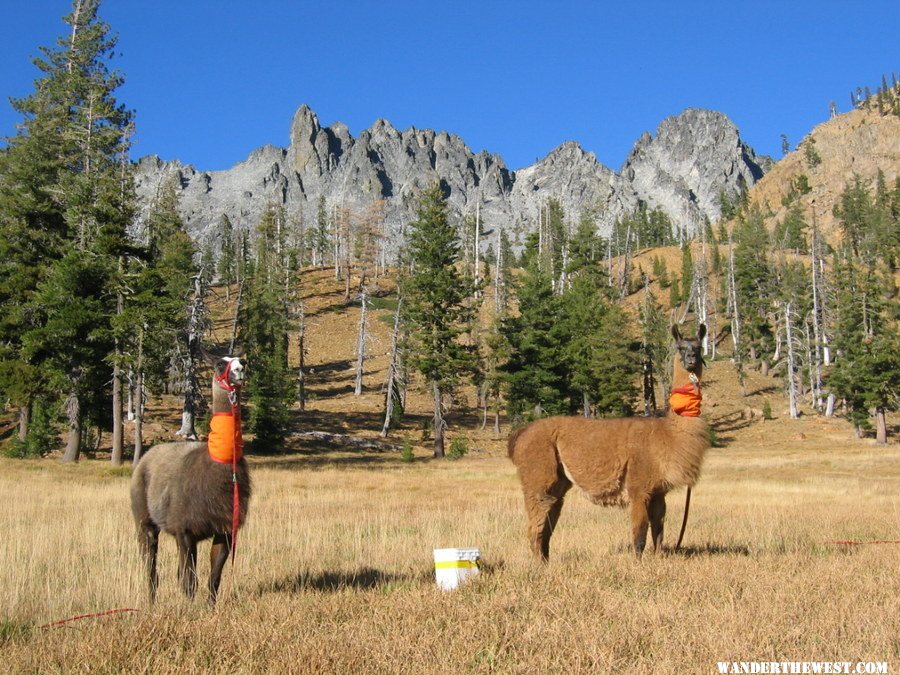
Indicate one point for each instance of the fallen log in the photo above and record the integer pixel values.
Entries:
(343, 439)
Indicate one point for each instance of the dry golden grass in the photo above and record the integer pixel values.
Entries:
(334, 571)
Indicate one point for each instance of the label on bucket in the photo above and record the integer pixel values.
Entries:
(453, 565)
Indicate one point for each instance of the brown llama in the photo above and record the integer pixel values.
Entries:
(634, 460)
(187, 488)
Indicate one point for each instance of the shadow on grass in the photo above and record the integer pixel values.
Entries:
(320, 459)
(709, 550)
(363, 579)
(366, 578)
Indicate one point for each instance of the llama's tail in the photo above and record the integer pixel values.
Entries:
(511, 441)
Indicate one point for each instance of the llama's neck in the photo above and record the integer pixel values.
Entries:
(221, 403)
(681, 377)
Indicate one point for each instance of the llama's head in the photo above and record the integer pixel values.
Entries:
(230, 372)
(690, 350)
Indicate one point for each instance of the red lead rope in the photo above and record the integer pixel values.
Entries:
(236, 497)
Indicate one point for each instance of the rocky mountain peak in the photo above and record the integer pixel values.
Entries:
(681, 170)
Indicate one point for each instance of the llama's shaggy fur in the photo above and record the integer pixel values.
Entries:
(626, 461)
(179, 489)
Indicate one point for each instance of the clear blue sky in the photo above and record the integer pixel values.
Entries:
(210, 80)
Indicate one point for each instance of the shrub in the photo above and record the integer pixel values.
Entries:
(459, 446)
(406, 453)
(767, 410)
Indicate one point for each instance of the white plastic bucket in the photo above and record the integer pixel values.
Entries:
(453, 565)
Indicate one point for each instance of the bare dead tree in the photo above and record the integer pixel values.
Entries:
(735, 319)
(198, 323)
(791, 360)
(394, 374)
(301, 368)
(361, 339)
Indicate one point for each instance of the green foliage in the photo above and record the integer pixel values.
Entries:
(674, 293)
(568, 351)
(535, 371)
(406, 452)
(654, 349)
(263, 333)
(586, 247)
(647, 227)
(436, 296)
(753, 276)
(459, 447)
(790, 233)
(813, 159)
(226, 267)
(866, 373)
(66, 197)
(767, 410)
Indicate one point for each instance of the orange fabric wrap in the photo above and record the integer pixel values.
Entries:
(221, 439)
(685, 401)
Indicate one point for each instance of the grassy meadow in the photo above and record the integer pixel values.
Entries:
(334, 570)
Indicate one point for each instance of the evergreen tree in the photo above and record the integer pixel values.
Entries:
(536, 373)
(321, 237)
(226, 266)
(66, 201)
(790, 233)
(263, 321)
(600, 368)
(752, 276)
(654, 351)
(437, 306)
(586, 247)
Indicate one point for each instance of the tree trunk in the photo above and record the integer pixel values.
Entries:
(438, 422)
(791, 380)
(73, 440)
(360, 342)
(234, 322)
(392, 373)
(829, 406)
(138, 398)
(497, 416)
(880, 427)
(24, 420)
(118, 430)
(301, 369)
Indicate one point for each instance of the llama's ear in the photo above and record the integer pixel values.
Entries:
(701, 331)
(220, 364)
(675, 333)
(211, 359)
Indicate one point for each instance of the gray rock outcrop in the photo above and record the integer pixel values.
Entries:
(682, 170)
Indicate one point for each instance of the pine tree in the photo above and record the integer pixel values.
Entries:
(226, 266)
(263, 322)
(66, 199)
(536, 373)
(437, 301)
(599, 366)
(752, 275)
(654, 350)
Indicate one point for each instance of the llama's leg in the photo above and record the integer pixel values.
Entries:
(149, 541)
(657, 511)
(543, 514)
(218, 554)
(187, 563)
(640, 519)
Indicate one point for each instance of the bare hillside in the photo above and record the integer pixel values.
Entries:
(860, 142)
